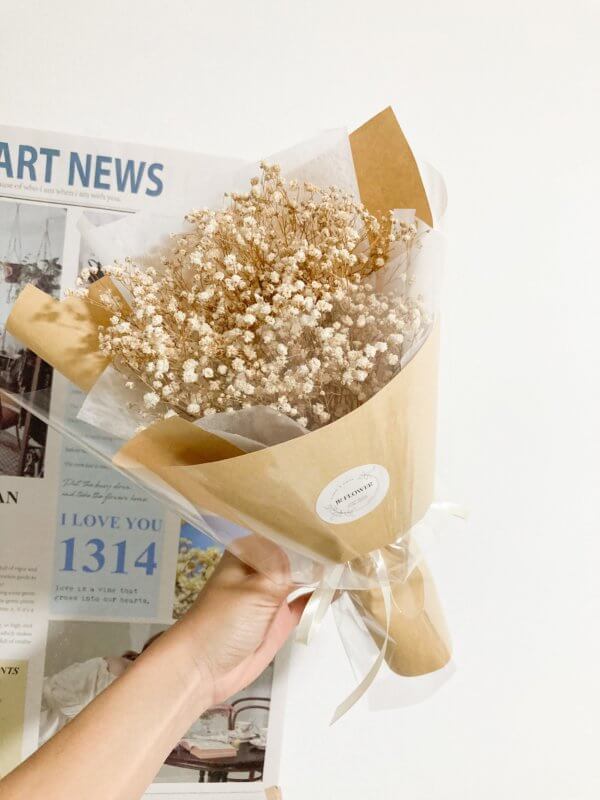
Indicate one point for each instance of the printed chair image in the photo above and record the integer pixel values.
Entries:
(238, 709)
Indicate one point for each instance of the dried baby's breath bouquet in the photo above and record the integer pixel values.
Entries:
(272, 301)
(272, 377)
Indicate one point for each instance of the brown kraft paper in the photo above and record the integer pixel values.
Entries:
(418, 638)
(274, 491)
(63, 333)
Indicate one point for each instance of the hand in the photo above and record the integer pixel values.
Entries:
(223, 643)
(239, 622)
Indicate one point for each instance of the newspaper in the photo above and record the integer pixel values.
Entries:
(91, 567)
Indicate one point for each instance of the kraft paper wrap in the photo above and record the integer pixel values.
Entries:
(63, 333)
(387, 173)
(419, 642)
(273, 492)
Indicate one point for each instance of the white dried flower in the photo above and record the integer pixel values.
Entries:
(151, 399)
(268, 301)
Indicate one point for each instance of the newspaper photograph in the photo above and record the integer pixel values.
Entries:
(92, 568)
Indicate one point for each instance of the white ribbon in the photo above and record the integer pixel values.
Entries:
(448, 507)
(317, 606)
(357, 693)
(323, 595)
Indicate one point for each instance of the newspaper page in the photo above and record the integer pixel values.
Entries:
(92, 568)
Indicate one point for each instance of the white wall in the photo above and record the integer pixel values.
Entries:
(503, 97)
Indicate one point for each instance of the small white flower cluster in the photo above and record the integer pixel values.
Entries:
(270, 301)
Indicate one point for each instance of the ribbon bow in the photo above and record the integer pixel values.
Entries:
(324, 593)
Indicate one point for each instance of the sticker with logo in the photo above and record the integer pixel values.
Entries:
(353, 494)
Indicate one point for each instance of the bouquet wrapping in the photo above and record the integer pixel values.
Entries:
(270, 371)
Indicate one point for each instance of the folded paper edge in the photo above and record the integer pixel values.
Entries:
(62, 333)
(386, 169)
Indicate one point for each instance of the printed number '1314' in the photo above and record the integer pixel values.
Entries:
(97, 554)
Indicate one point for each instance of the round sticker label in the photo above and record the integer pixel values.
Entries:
(353, 494)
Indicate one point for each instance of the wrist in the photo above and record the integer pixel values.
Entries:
(186, 664)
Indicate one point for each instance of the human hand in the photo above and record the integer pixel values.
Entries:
(231, 633)
(238, 623)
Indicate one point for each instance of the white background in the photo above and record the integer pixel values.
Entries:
(503, 98)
